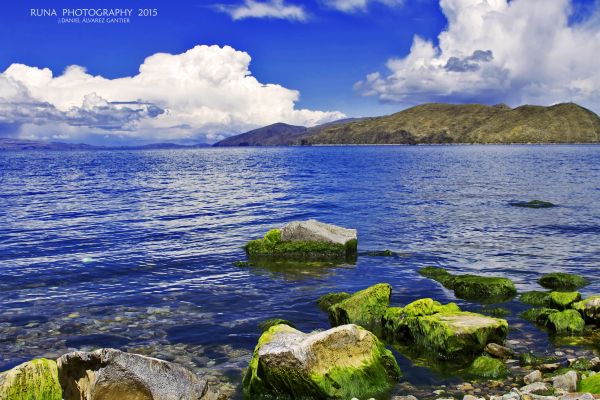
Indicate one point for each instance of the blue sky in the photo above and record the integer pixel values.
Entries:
(345, 57)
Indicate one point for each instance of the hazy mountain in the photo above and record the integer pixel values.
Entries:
(471, 123)
(22, 145)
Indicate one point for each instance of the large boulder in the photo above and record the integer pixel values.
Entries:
(34, 380)
(311, 240)
(364, 308)
(107, 374)
(568, 322)
(456, 335)
(589, 308)
(562, 281)
(343, 362)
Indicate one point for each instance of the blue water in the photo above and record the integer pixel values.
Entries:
(134, 249)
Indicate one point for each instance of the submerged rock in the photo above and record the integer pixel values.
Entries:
(536, 298)
(112, 374)
(499, 351)
(487, 367)
(532, 204)
(33, 380)
(589, 308)
(305, 240)
(343, 362)
(364, 308)
(490, 289)
(562, 281)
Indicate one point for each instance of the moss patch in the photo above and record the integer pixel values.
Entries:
(536, 298)
(589, 308)
(568, 322)
(590, 385)
(33, 380)
(562, 300)
(562, 281)
(329, 299)
(538, 315)
(364, 308)
(488, 368)
(381, 253)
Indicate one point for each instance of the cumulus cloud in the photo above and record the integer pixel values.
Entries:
(351, 6)
(264, 9)
(519, 51)
(205, 93)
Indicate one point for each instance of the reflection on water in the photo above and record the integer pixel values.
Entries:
(136, 249)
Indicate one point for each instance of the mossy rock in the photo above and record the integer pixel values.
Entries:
(568, 322)
(496, 312)
(364, 308)
(562, 300)
(533, 204)
(381, 253)
(340, 363)
(538, 315)
(562, 281)
(488, 368)
(456, 335)
(531, 360)
(590, 385)
(589, 308)
(265, 325)
(396, 321)
(329, 299)
(272, 246)
(34, 380)
(536, 298)
(438, 274)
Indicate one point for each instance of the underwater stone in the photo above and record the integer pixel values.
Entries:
(343, 362)
(498, 351)
(364, 308)
(532, 204)
(32, 380)
(562, 281)
(113, 374)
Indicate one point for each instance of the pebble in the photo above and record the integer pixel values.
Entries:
(465, 387)
(471, 397)
(549, 367)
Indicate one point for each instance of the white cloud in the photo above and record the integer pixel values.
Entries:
(351, 6)
(205, 93)
(264, 9)
(522, 51)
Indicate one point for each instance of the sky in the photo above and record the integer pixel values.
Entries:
(199, 71)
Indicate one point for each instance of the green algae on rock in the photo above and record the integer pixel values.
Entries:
(457, 334)
(33, 380)
(532, 204)
(538, 315)
(589, 308)
(309, 240)
(486, 289)
(329, 299)
(265, 325)
(566, 322)
(563, 300)
(562, 281)
(343, 362)
(536, 298)
(364, 308)
(590, 384)
(488, 368)
(380, 253)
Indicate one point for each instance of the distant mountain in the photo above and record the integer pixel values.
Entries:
(278, 134)
(8, 144)
(470, 123)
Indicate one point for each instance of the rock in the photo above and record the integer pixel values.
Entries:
(562, 281)
(540, 388)
(532, 377)
(566, 322)
(265, 325)
(566, 381)
(536, 298)
(538, 315)
(549, 367)
(381, 253)
(487, 367)
(364, 308)
(538, 397)
(532, 204)
(32, 380)
(473, 287)
(329, 299)
(563, 300)
(315, 231)
(590, 384)
(409, 397)
(589, 308)
(498, 351)
(457, 334)
(113, 374)
(471, 397)
(577, 396)
(465, 387)
(311, 240)
(343, 362)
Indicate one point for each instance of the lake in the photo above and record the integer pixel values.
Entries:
(135, 249)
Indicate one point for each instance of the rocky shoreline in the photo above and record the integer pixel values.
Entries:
(352, 359)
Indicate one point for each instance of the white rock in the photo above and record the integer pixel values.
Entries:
(577, 396)
(535, 376)
(316, 231)
(567, 381)
(535, 388)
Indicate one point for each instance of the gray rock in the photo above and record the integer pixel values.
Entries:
(549, 367)
(567, 381)
(532, 377)
(409, 397)
(113, 374)
(499, 351)
(471, 397)
(316, 231)
(539, 397)
(577, 396)
(536, 388)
